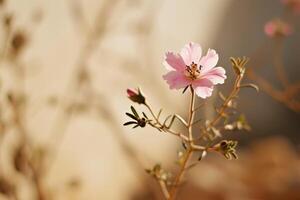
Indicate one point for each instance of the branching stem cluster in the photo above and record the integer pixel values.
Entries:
(187, 137)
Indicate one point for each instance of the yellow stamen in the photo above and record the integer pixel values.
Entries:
(192, 71)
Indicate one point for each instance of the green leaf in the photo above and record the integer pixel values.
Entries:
(134, 112)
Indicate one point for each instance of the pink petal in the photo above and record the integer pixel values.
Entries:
(174, 61)
(215, 75)
(209, 61)
(131, 93)
(270, 29)
(191, 53)
(176, 80)
(203, 92)
(203, 88)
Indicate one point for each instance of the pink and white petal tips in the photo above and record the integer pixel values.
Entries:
(190, 69)
(203, 88)
(210, 60)
(174, 62)
(191, 53)
(176, 80)
(216, 75)
(203, 92)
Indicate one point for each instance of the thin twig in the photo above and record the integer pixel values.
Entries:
(190, 149)
(180, 174)
(283, 97)
(163, 127)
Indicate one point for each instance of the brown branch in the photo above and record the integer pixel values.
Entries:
(180, 174)
(278, 63)
(34, 172)
(163, 127)
(191, 115)
(225, 105)
(285, 97)
(189, 151)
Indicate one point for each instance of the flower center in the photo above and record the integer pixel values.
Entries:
(192, 71)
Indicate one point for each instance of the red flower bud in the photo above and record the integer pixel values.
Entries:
(131, 93)
(136, 96)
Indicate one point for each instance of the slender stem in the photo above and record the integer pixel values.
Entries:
(35, 173)
(191, 115)
(164, 189)
(180, 174)
(19, 121)
(183, 137)
(189, 151)
(278, 63)
(280, 96)
(192, 147)
(225, 105)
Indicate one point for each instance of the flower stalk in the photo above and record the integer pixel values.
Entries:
(199, 75)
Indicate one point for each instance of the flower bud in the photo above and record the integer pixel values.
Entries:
(277, 27)
(136, 96)
(227, 148)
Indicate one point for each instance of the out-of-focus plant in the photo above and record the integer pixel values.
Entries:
(278, 30)
(189, 71)
(29, 160)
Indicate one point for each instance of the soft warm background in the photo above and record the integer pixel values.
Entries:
(120, 44)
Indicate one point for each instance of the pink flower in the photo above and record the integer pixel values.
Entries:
(294, 5)
(189, 68)
(277, 27)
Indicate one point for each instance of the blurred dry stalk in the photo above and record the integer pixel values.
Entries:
(29, 159)
(269, 169)
(25, 158)
(209, 132)
(289, 93)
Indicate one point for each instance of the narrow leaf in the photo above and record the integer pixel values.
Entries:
(250, 85)
(167, 118)
(158, 115)
(129, 123)
(185, 89)
(136, 126)
(134, 112)
(181, 119)
(222, 96)
(131, 116)
(144, 114)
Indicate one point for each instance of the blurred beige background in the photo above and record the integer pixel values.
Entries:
(126, 51)
(129, 54)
